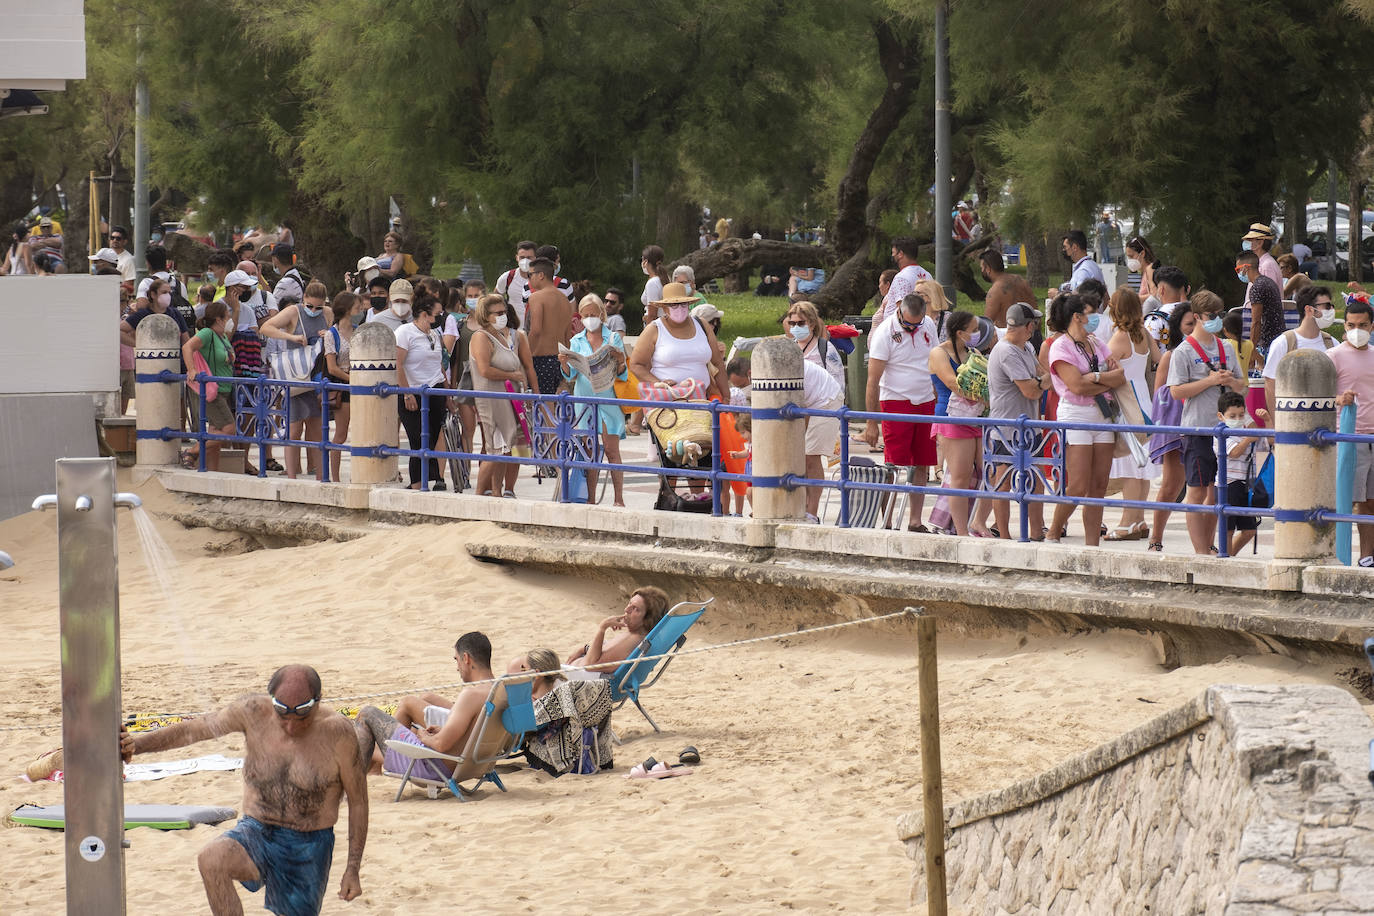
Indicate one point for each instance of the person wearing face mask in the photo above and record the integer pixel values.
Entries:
(1135, 351)
(419, 362)
(1318, 314)
(899, 384)
(909, 273)
(1083, 373)
(513, 285)
(345, 307)
(458, 330)
(676, 348)
(211, 340)
(1244, 460)
(500, 355)
(960, 444)
(607, 420)
(1140, 259)
(159, 303)
(1263, 303)
(803, 324)
(651, 262)
(301, 325)
(1354, 360)
(1166, 449)
(399, 297)
(1201, 367)
(1260, 240)
(1075, 247)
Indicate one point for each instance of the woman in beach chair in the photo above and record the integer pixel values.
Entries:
(645, 609)
(573, 719)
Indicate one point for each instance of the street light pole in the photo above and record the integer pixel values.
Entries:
(140, 163)
(944, 227)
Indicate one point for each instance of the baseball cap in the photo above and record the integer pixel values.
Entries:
(401, 289)
(1258, 231)
(239, 278)
(707, 312)
(45, 221)
(104, 254)
(1022, 313)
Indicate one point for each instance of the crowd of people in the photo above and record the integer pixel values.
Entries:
(1152, 351)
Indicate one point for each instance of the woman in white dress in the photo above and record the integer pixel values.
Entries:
(1136, 351)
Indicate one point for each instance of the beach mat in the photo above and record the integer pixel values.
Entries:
(161, 817)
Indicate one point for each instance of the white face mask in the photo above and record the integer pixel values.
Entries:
(400, 308)
(164, 299)
(592, 324)
(1326, 318)
(499, 322)
(524, 265)
(370, 274)
(1357, 337)
(1133, 265)
(1234, 422)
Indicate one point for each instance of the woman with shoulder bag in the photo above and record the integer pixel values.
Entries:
(210, 345)
(301, 325)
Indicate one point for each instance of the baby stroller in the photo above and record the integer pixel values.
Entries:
(682, 440)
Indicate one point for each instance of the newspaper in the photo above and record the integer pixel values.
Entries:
(600, 368)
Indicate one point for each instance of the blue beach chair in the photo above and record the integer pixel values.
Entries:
(506, 715)
(667, 637)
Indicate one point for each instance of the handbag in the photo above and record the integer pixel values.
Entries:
(299, 364)
(198, 366)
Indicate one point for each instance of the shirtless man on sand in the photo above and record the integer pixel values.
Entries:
(300, 759)
(429, 720)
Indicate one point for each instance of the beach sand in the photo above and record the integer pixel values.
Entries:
(809, 745)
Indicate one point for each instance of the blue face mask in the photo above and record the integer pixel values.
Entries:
(356, 320)
(472, 303)
(1240, 275)
(1093, 321)
(313, 313)
(1247, 245)
(799, 332)
(1213, 325)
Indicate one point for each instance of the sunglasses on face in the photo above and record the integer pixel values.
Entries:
(798, 323)
(294, 712)
(116, 238)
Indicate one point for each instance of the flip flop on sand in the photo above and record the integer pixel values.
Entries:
(652, 769)
(689, 755)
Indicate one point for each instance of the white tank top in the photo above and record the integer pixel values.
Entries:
(679, 360)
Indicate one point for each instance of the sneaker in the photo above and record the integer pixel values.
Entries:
(812, 520)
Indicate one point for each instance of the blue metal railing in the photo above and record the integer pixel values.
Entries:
(1022, 436)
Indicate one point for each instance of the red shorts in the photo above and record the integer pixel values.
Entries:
(909, 444)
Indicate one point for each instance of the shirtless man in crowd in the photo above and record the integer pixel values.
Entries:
(548, 324)
(429, 720)
(300, 758)
(1006, 288)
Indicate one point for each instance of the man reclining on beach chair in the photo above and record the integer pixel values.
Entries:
(430, 720)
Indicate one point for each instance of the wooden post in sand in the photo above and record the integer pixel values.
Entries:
(932, 792)
(372, 360)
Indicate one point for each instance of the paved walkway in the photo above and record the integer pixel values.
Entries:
(641, 491)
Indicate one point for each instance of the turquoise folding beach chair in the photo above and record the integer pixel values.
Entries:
(667, 638)
(506, 715)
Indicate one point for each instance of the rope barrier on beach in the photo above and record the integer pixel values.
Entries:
(527, 675)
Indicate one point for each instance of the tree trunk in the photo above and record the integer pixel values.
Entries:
(324, 244)
(1038, 260)
(76, 227)
(1356, 225)
(848, 289)
(734, 255)
(16, 191)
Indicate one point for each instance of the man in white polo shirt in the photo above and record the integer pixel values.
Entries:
(909, 273)
(899, 383)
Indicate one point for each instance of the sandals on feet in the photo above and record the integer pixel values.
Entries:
(1156, 546)
(918, 529)
(1120, 533)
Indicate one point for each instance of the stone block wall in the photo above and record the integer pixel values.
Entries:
(1246, 801)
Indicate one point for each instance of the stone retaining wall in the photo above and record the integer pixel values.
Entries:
(1245, 801)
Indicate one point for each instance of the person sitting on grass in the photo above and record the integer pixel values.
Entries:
(1244, 459)
(430, 720)
(644, 610)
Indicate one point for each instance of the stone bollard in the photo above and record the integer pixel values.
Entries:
(157, 346)
(779, 445)
(1304, 475)
(374, 422)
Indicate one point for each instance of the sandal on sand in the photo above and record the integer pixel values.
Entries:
(652, 769)
(689, 755)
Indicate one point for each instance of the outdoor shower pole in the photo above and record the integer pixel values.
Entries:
(93, 777)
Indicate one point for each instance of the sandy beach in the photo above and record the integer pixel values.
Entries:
(809, 745)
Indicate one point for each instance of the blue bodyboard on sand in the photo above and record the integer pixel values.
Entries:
(162, 817)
